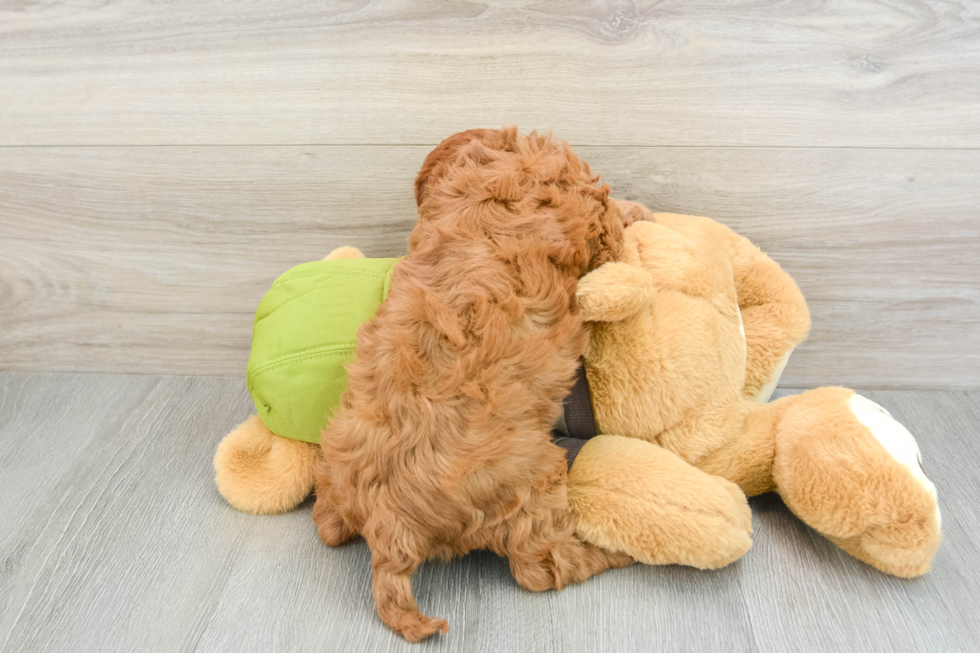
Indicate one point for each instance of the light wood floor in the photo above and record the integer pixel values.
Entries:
(115, 539)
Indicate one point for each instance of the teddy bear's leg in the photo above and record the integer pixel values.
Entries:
(847, 468)
(263, 473)
(633, 496)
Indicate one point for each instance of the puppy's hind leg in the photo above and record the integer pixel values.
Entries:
(551, 557)
(567, 562)
(330, 524)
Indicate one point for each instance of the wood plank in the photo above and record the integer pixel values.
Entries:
(142, 260)
(113, 538)
(107, 535)
(868, 72)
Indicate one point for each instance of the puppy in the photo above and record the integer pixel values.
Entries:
(442, 444)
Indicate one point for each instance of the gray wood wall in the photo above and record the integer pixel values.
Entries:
(162, 163)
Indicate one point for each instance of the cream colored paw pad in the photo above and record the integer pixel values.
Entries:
(894, 437)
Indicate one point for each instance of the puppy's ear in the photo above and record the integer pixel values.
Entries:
(613, 292)
(442, 156)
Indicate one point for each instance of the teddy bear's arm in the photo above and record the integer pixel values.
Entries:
(774, 313)
(613, 292)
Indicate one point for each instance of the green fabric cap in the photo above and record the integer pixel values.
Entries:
(305, 333)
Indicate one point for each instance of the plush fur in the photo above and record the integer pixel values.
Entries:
(263, 473)
(442, 444)
(835, 474)
(659, 507)
(690, 328)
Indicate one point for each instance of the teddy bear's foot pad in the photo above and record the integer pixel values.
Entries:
(896, 440)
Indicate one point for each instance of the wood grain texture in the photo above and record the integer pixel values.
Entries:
(113, 538)
(139, 260)
(901, 73)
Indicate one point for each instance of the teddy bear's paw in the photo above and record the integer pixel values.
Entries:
(616, 291)
(847, 468)
(906, 534)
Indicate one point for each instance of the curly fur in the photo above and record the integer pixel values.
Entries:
(443, 444)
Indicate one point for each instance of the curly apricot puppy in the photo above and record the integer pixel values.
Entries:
(443, 444)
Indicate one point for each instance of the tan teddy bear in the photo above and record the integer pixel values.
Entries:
(691, 330)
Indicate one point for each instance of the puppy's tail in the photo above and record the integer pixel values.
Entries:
(392, 569)
(397, 607)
